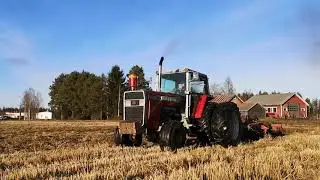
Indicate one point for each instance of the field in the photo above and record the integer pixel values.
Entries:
(84, 150)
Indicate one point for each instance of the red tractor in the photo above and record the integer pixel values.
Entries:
(179, 112)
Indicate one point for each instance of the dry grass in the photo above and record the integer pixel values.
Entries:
(82, 150)
(45, 135)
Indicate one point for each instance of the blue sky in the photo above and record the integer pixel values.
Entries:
(261, 45)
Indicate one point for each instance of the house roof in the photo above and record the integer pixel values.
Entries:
(247, 106)
(224, 98)
(272, 99)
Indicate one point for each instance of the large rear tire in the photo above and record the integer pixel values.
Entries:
(222, 124)
(226, 124)
(172, 135)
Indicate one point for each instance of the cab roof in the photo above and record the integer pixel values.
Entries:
(184, 70)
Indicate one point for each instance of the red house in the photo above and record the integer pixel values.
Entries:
(288, 105)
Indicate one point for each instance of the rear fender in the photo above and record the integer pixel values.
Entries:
(200, 106)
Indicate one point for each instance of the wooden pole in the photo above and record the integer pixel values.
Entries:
(119, 101)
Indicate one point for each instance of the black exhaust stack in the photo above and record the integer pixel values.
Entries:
(160, 73)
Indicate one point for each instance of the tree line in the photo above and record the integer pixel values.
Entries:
(314, 106)
(84, 95)
(17, 110)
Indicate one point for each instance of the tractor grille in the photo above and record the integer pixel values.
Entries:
(134, 113)
(134, 95)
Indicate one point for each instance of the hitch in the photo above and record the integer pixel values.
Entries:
(130, 127)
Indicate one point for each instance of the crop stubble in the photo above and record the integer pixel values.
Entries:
(83, 149)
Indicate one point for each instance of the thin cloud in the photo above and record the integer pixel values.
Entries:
(17, 61)
(310, 25)
(15, 47)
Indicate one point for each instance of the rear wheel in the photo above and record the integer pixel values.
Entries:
(222, 124)
(225, 124)
(172, 135)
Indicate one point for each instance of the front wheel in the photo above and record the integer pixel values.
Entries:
(126, 139)
(132, 140)
(172, 135)
(117, 138)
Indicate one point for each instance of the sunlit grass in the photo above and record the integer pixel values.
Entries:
(84, 150)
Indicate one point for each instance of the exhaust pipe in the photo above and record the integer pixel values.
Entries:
(160, 73)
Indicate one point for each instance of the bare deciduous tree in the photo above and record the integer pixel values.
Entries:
(228, 86)
(31, 102)
(315, 105)
(216, 89)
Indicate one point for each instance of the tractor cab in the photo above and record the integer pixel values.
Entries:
(184, 81)
(191, 85)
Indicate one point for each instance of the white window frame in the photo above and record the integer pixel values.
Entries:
(271, 109)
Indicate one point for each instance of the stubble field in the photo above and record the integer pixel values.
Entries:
(84, 150)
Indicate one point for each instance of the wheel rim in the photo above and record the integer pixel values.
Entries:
(219, 128)
(225, 127)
